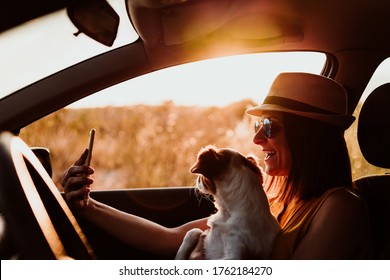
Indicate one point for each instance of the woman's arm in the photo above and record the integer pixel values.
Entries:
(139, 232)
(133, 230)
(340, 230)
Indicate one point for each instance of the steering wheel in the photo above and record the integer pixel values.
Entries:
(40, 221)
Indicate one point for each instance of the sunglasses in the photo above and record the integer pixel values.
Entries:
(266, 124)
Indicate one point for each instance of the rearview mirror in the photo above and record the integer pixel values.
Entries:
(95, 18)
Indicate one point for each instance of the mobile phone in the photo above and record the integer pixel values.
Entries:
(90, 147)
(89, 155)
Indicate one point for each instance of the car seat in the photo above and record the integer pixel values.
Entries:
(374, 141)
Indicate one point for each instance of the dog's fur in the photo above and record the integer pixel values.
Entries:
(243, 227)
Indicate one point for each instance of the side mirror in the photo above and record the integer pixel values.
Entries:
(43, 155)
(95, 18)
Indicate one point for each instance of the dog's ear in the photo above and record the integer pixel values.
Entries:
(252, 163)
(210, 163)
(253, 160)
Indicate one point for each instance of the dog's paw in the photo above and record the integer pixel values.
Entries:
(193, 234)
(189, 242)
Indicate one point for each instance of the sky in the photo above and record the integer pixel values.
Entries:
(204, 83)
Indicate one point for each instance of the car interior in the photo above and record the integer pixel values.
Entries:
(36, 222)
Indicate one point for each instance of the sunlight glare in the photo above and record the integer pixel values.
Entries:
(214, 82)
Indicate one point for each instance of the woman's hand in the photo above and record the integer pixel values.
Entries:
(76, 183)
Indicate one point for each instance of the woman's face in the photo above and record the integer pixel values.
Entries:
(275, 147)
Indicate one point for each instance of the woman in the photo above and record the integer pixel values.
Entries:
(310, 184)
(301, 127)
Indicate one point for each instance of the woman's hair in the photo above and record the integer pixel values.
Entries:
(319, 158)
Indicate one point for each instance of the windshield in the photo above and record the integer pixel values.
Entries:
(46, 45)
(203, 83)
(160, 120)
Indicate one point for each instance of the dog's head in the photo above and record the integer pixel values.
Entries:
(222, 167)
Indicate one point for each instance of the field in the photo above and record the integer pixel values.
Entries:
(152, 146)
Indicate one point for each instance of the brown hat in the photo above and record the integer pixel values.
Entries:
(308, 95)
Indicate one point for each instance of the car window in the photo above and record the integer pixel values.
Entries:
(360, 167)
(47, 44)
(150, 129)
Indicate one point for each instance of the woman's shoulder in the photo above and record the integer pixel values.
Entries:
(342, 198)
(341, 224)
(343, 210)
(342, 203)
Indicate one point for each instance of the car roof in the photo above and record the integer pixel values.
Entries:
(352, 33)
(327, 25)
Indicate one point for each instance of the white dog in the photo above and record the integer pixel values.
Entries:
(243, 227)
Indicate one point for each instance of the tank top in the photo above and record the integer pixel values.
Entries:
(294, 220)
